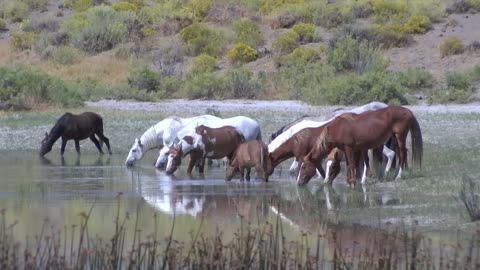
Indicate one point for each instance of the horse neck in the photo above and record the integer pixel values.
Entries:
(150, 139)
(282, 153)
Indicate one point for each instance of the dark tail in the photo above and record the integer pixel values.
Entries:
(417, 143)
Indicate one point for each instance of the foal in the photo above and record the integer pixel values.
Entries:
(247, 155)
(75, 127)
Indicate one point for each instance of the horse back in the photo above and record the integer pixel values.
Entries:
(249, 154)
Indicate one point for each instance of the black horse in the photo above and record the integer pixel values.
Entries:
(75, 127)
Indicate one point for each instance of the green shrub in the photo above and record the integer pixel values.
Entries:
(198, 39)
(66, 55)
(101, 28)
(3, 24)
(242, 53)
(143, 78)
(17, 11)
(242, 83)
(78, 5)
(247, 32)
(168, 59)
(389, 35)
(417, 24)
(473, 5)
(197, 9)
(459, 88)
(349, 54)
(37, 4)
(203, 63)
(390, 10)
(204, 85)
(148, 31)
(433, 9)
(22, 40)
(285, 42)
(304, 55)
(305, 31)
(333, 15)
(21, 84)
(451, 46)
(416, 78)
(125, 6)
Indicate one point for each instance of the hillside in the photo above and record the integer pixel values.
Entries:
(321, 52)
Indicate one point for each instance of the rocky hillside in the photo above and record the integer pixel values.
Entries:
(321, 52)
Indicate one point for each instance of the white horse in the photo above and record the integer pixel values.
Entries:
(248, 127)
(160, 135)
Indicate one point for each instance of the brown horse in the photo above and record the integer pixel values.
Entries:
(214, 143)
(247, 155)
(77, 128)
(298, 145)
(357, 132)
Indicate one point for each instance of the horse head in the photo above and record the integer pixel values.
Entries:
(135, 153)
(307, 170)
(174, 158)
(46, 145)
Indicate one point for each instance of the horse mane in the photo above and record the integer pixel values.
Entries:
(57, 130)
(349, 116)
(303, 135)
(323, 140)
(149, 139)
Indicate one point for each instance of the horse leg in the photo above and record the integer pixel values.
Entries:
(202, 165)
(390, 156)
(62, 148)
(247, 177)
(349, 156)
(105, 140)
(97, 144)
(401, 139)
(77, 146)
(366, 166)
(191, 164)
(242, 174)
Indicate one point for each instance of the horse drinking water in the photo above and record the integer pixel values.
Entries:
(352, 132)
(247, 155)
(77, 128)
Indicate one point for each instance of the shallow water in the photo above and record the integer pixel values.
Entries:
(35, 190)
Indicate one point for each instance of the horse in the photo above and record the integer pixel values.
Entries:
(247, 155)
(375, 105)
(248, 127)
(75, 127)
(160, 135)
(353, 132)
(296, 142)
(214, 143)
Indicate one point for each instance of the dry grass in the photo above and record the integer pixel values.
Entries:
(102, 67)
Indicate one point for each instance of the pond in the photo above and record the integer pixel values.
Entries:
(57, 190)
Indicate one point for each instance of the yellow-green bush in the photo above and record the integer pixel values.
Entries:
(388, 9)
(417, 24)
(285, 42)
(125, 6)
(197, 9)
(304, 54)
(247, 32)
(389, 35)
(148, 31)
(242, 53)
(332, 15)
(198, 38)
(22, 40)
(451, 46)
(78, 5)
(305, 31)
(473, 5)
(16, 11)
(66, 55)
(203, 63)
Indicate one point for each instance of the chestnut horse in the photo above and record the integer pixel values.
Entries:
(214, 143)
(352, 132)
(247, 155)
(75, 127)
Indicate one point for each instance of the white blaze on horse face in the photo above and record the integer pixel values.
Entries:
(169, 163)
(162, 156)
(293, 167)
(135, 153)
(327, 171)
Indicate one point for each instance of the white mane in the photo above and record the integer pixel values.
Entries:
(286, 135)
(150, 139)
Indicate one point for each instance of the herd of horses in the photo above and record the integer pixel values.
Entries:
(374, 128)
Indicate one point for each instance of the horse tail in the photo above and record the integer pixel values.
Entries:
(417, 143)
(259, 134)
